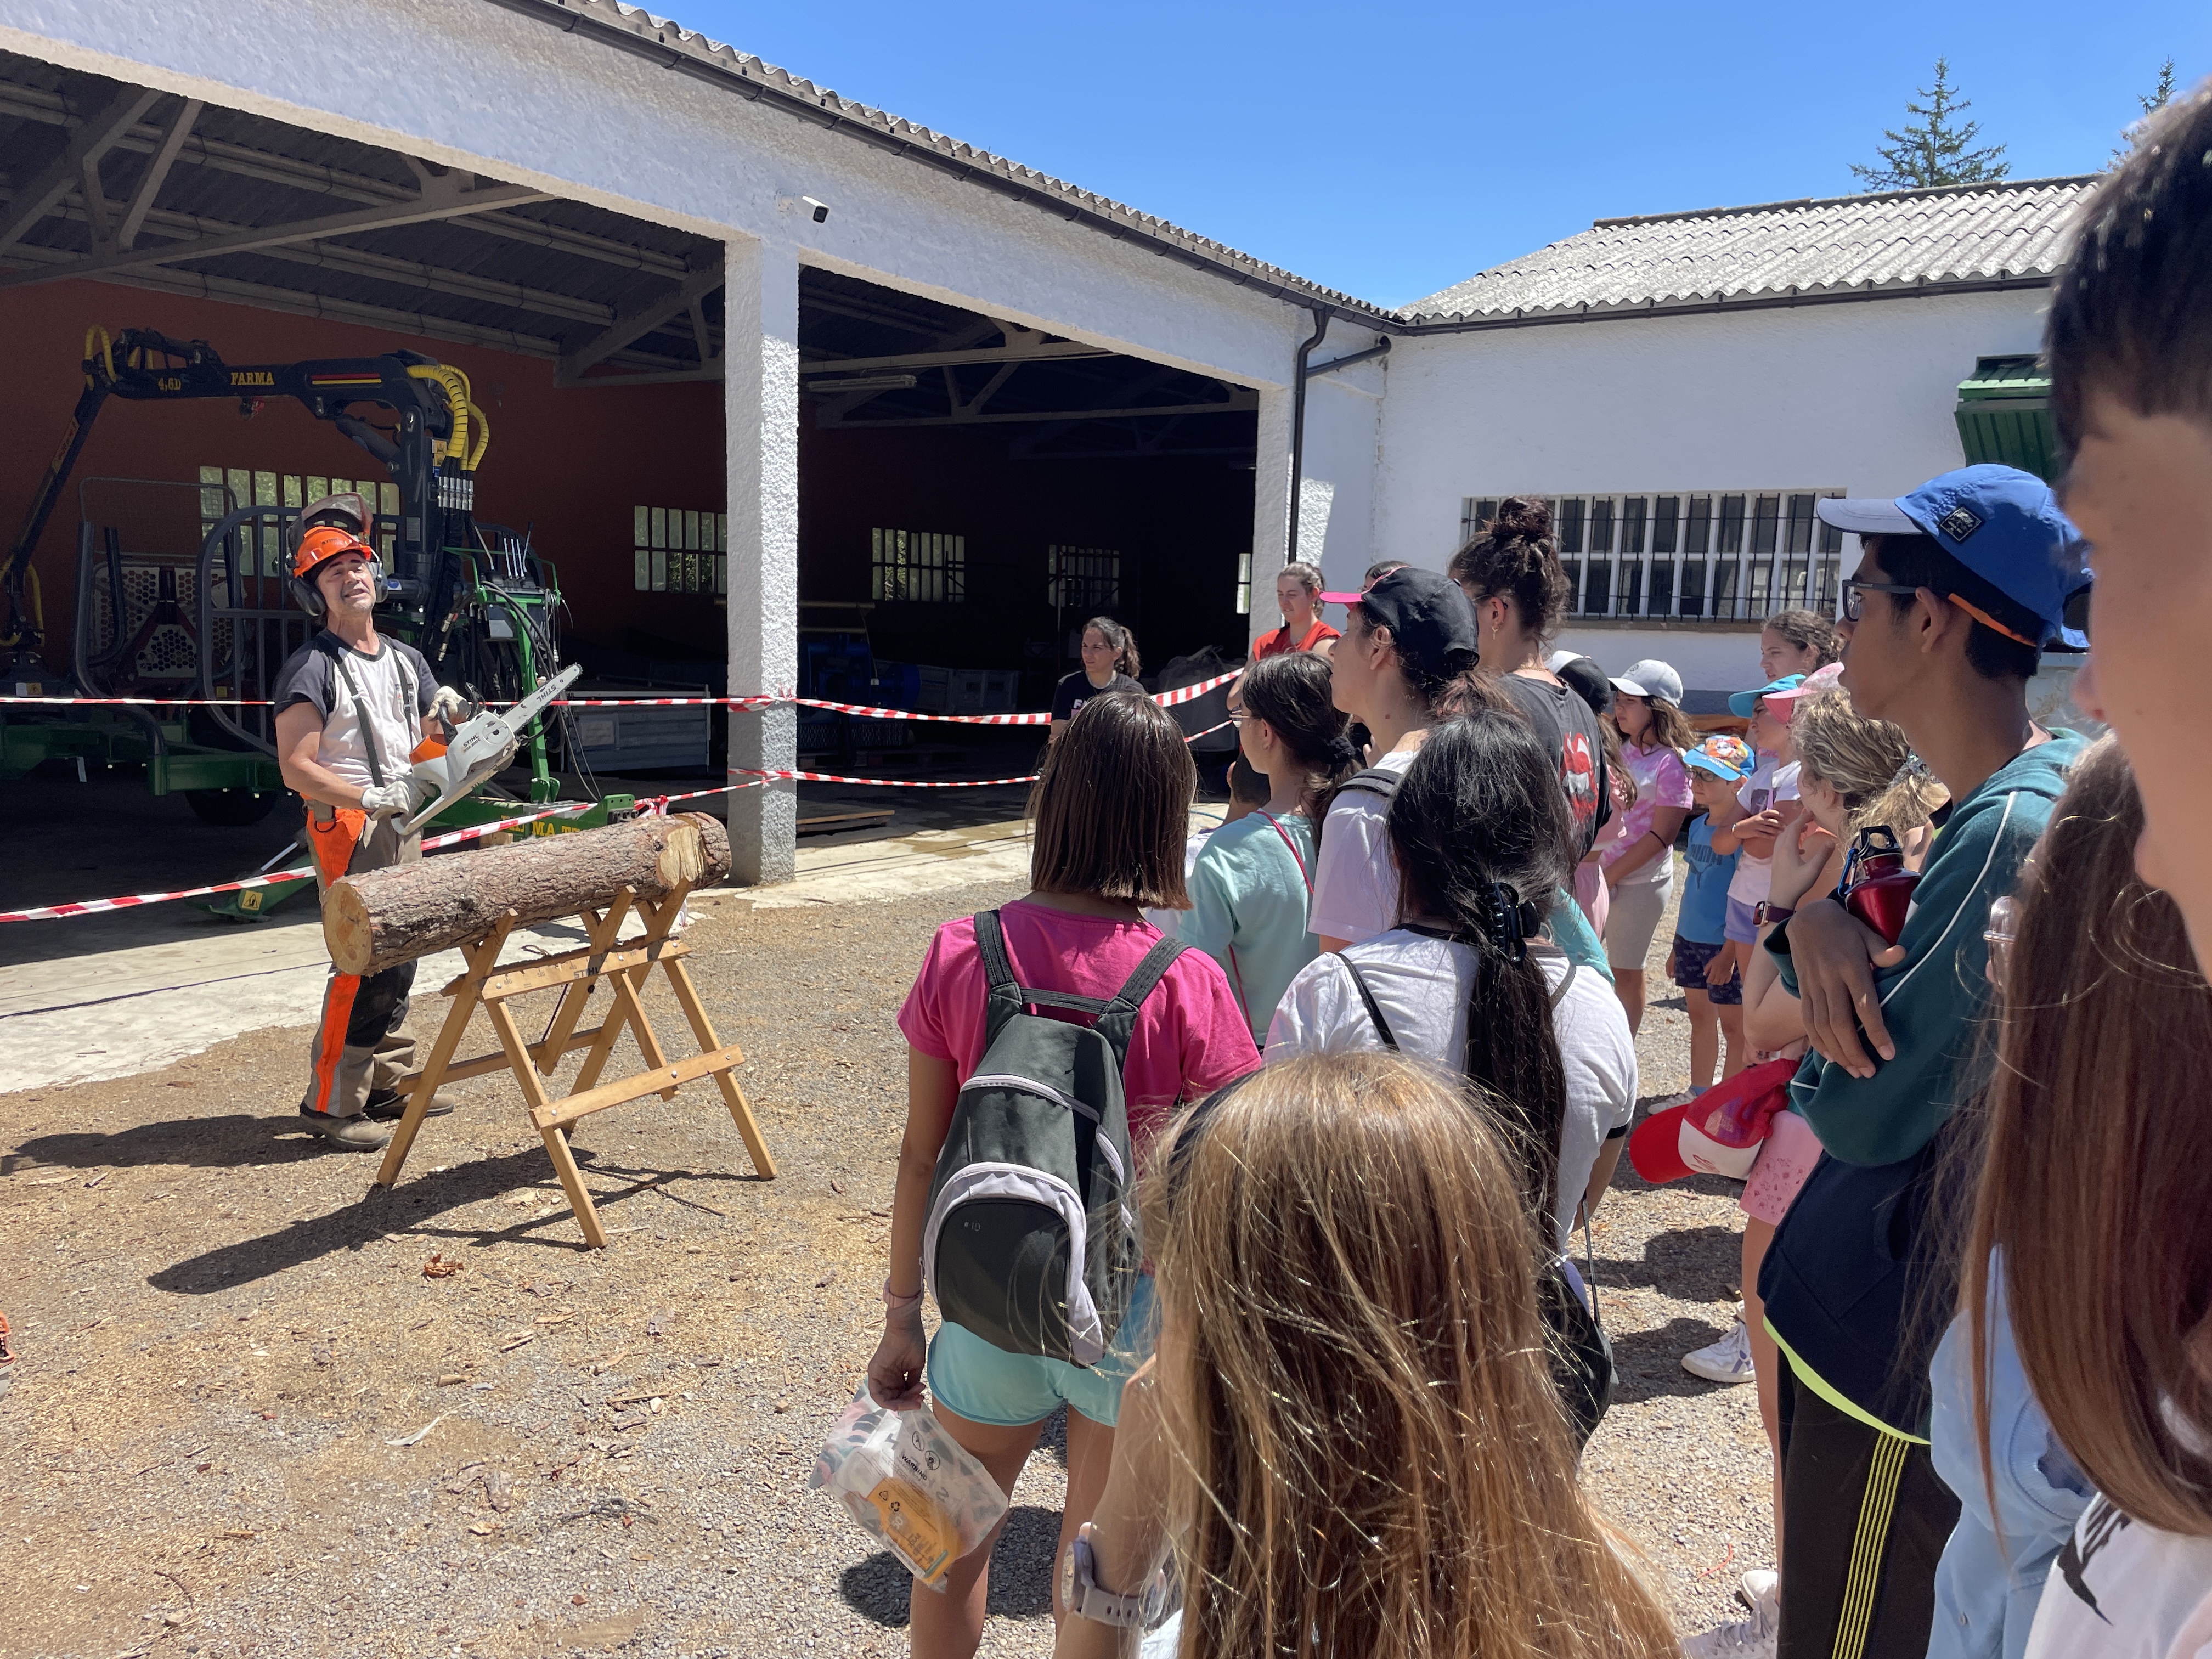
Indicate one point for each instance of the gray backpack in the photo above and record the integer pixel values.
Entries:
(1032, 1240)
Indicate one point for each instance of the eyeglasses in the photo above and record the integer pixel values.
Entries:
(1238, 715)
(1855, 606)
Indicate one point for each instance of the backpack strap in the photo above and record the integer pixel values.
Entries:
(1375, 781)
(1367, 996)
(1567, 979)
(1119, 1020)
(1004, 996)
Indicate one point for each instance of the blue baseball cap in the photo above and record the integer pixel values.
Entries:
(1745, 704)
(2003, 524)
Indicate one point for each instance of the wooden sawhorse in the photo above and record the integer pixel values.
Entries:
(625, 968)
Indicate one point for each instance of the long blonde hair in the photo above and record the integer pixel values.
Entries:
(1369, 1452)
(1867, 762)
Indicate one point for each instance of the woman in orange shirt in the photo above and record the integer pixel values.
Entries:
(1297, 591)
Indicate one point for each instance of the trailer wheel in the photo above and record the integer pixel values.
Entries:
(231, 808)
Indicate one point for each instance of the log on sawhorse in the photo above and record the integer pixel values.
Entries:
(623, 966)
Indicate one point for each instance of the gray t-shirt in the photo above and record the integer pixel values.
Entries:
(1422, 985)
(396, 687)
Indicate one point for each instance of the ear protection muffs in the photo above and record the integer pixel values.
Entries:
(317, 547)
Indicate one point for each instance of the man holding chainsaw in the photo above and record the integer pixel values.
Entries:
(352, 709)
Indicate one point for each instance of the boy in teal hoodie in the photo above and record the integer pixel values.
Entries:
(1962, 583)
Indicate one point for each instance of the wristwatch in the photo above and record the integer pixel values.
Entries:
(1766, 911)
(1080, 1592)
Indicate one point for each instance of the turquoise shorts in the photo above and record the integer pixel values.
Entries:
(986, 1384)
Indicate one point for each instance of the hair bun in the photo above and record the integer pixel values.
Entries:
(1522, 518)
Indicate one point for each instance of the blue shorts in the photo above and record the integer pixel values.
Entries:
(1739, 926)
(984, 1383)
(1690, 957)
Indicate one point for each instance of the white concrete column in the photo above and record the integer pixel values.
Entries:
(759, 331)
(1271, 508)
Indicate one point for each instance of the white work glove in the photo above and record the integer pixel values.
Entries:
(447, 704)
(387, 799)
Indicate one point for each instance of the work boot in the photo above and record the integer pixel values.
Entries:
(355, 1134)
(388, 1105)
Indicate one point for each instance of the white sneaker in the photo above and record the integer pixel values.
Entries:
(1747, 1638)
(1728, 1360)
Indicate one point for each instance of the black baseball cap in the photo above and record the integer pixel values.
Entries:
(1431, 622)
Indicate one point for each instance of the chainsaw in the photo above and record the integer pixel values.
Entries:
(475, 751)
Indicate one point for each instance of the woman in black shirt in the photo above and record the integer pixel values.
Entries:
(1109, 665)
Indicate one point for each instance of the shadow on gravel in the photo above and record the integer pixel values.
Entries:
(1650, 1362)
(201, 1143)
(410, 1207)
(1021, 1573)
(1699, 1264)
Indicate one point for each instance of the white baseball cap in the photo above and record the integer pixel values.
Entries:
(1651, 678)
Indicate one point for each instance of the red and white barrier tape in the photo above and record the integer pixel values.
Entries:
(1165, 699)
(474, 832)
(758, 776)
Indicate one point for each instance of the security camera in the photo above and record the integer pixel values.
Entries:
(818, 210)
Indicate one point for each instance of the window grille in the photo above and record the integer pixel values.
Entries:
(1243, 584)
(262, 556)
(1689, 554)
(1089, 579)
(679, 550)
(926, 566)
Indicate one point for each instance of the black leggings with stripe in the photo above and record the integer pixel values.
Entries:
(1865, 1518)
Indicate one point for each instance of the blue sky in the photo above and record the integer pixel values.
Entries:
(1390, 149)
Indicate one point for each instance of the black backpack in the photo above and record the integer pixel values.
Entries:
(1032, 1240)
(1580, 1351)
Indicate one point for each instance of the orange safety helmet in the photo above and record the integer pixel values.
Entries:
(316, 549)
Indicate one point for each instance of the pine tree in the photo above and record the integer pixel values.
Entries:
(2156, 100)
(1939, 151)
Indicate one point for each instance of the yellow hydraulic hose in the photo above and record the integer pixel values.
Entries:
(456, 384)
(106, 354)
(484, 438)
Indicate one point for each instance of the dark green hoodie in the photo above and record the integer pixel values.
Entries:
(1840, 1278)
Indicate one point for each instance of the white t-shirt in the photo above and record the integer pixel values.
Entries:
(1422, 985)
(2122, 1590)
(1355, 886)
(396, 687)
(1769, 783)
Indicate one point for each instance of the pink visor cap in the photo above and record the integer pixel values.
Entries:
(1719, 1133)
(1829, 679)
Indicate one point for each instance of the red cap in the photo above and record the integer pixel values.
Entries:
(1341, 599)
(1719, 1131)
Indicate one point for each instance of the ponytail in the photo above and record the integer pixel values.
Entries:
(1479, 832)
(1123, 640)
(1291, 692)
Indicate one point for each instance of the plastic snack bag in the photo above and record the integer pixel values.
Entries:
(910, 1484)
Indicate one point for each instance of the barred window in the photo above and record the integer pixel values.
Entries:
(224, 489)
(1730, 557)
(928, 566)
(1089, 579)
(679, 550)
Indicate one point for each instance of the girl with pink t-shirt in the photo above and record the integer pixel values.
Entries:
(1112, 810)
(1639, 865)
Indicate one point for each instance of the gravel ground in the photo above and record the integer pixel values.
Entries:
(224, 1328)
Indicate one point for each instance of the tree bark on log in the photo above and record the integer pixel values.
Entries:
(385, 917)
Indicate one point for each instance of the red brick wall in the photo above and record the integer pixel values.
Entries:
(575, 461)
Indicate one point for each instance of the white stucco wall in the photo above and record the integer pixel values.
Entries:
(1856, 396)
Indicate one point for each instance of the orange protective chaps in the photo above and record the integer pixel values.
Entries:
(358, 1047)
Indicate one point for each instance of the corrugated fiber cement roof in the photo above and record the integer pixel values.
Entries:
(1963, 236)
